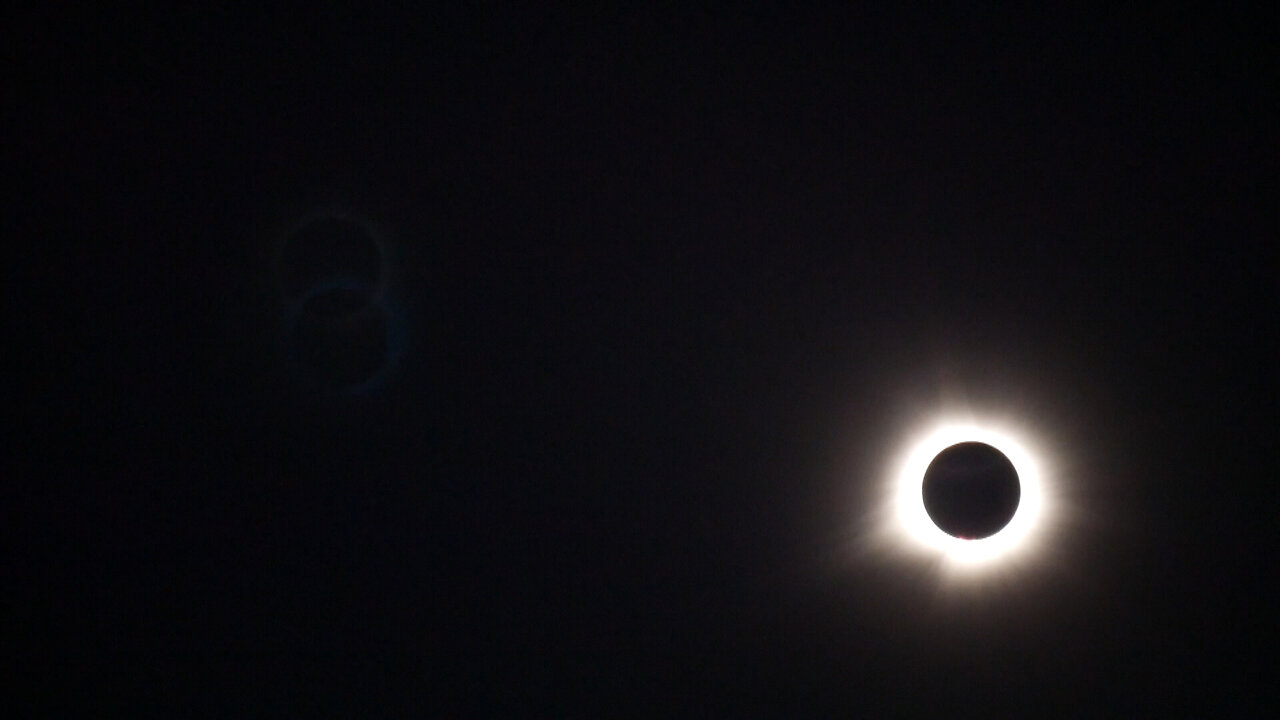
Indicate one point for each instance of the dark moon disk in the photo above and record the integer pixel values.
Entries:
(971, 490)
(328, 251)
(336, 345)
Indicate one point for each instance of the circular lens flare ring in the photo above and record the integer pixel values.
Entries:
(1017, 537)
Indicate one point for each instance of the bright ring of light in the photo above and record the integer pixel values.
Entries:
(1014, 539)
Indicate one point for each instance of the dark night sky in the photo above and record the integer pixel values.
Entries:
(677, 286)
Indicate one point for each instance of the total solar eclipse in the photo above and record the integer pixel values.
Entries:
(340, 330)
(971, 490)
(330, 252)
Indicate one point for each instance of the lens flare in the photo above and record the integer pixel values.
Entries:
(916, 531)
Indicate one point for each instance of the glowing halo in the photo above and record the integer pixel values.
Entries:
(917, 530)
(370, 275)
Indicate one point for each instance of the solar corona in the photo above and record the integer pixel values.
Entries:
(970, 494)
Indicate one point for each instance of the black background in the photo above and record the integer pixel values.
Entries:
(680, 285)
